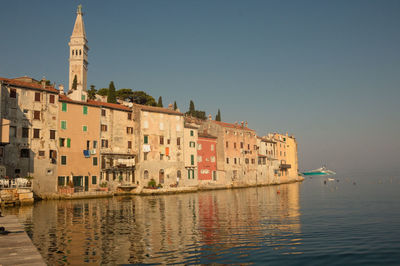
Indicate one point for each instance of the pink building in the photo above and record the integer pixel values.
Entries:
(206, 157)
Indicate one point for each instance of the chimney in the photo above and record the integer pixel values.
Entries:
(209, 117)
(245, 124)
(61, 89)
(236, 123)
(170, 106)
(242, 123)
(43, 82)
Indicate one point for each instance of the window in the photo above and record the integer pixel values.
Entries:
(234, 160)
(212, 147)
(227, 145)
(94, 144)
(145, 174)
(85, 108)
(199, 147)
(63, 124)
(62, 142)
(145, 156)
(94, 180)
(25, 153)
(37, 96)
(213, 159)
(129, 116)
(168, 141)
(87, 144)
(129, 144)
(52, 98)
(199, 159)
(146, 139)
(192, 159)
(253, 161)
(36, 115)
(227, 160)
(248, 146)
(129, 130)
(1, 151)
(25, 132)
(192, 144)
(214, 175)
(234, 145)
(94, 161)
(161, 156)
(52, 134)
(103, 128)
(13, 93)
(178, 141)
(41, 153)
(53, 156)
(103, 112)
(63, 160)
(84, 128)
(64, 107)
(36, 133)
(191, 133)
(246, 160)
(68, 143)
(104, 143)
(83, 97)
(189, 172)
(61, 181)
(13, 131)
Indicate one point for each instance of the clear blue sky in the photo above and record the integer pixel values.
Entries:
(326, 71)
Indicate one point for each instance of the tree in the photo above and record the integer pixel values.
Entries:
(159, 104)
(92, 93)
(191, 107)
(175, 106)
(124, 94)
(140, 97)
(103, 92)
(218, 116)
(112, 96)
(74, 83)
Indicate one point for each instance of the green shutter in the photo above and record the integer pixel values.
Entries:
(64, 107)
(63, 160)
(85, 109)
(83, 98)
(192, 159)
(188, 173)
(94, 180)
(191, 133)
(60, 142)
(84, 128)
(192, 174)
(94, 160)
(63, 124)
(69, 143)
(146, 139)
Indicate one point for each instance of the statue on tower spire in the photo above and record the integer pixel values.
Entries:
(79, 11)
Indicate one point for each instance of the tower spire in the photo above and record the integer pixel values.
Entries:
(78, 58)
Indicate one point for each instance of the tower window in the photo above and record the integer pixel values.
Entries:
(80, 52)
(72, 52)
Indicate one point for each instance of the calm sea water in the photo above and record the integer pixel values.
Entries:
(353, 221)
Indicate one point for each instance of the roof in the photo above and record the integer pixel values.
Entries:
(157, 109)
(205, 135)
(29, 85)
(232, 125)
(190, 126)
(116, 106)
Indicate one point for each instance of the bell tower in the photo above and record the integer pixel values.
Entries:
(78, 59)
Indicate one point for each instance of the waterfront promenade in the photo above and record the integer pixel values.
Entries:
(16, 248)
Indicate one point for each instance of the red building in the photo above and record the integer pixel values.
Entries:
(207, 157)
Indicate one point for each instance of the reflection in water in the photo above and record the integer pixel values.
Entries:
(241, 225)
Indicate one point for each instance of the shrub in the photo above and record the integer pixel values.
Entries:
(152, 183)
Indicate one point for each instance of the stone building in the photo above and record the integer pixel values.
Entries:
(31, 107)
(159, 135)
(190, 146)
(236, 152)
(207, 159)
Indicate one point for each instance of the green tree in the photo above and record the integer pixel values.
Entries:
(175, 106)
(92, 93)
(160, 104)
(218, 116)
(140, 97)
(191, 108)
(103, 92)
(112, 96)
(74, 83)
(124, 94)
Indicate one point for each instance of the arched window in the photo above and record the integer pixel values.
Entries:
(178, 174)
(72, 52)
(146, 174)
(80, 52)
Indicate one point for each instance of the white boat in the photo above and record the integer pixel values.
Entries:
(319, 171)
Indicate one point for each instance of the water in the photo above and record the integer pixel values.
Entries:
(354, 221)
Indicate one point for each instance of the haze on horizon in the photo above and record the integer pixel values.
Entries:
(326, 71)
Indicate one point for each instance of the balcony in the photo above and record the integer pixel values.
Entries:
(285, 166)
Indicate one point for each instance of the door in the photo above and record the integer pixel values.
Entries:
(86, 183)
(161, 177)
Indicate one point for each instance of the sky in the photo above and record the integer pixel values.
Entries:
(327, 72)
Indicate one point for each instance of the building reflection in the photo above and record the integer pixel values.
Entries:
(165, 229)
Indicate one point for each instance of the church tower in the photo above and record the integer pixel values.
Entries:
(78, 63)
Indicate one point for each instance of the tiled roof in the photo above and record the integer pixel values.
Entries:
(29, 85)
(157, 109)
(64, 98)
(231, 125)
(205, 135)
